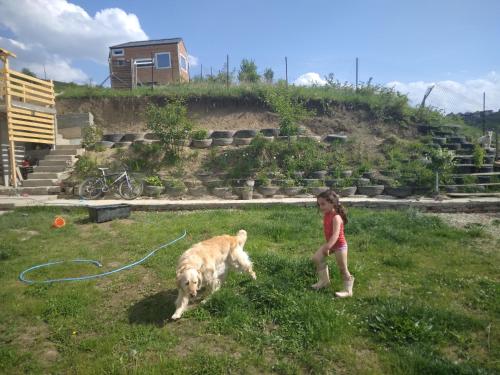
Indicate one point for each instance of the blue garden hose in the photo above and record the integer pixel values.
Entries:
(95, 262)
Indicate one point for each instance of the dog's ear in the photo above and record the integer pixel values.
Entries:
(200, 279)
(242, 237)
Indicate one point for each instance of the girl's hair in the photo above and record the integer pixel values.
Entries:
(333, 198)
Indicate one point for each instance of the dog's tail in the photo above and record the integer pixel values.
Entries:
(242, 237)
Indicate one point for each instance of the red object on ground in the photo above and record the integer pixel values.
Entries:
(59, 222)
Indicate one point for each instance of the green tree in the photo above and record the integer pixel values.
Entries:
(268, 75)
(248, 71)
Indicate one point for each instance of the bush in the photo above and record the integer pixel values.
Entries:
(91, 135)
(153, 181)
(199, 134)
(478, 155)
(86, 166)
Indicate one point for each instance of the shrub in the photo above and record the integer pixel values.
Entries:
(199, 134)
(153, 181)
(478, 155)
(91, 135)
(170, 124)
(85, 166)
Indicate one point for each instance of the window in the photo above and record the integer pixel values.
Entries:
(143, 63)
(118, 52)
(119, 62)
(183, 63)
(163, 60)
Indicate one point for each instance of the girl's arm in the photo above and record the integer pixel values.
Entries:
(337, 220)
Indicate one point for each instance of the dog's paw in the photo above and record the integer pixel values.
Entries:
(254, 276)
(176, 316)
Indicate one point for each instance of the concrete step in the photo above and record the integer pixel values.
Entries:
(41, 190)
(54, 163)
(68, 147)
(59, 157)
(75, 151)
(39, 182)
(48, 175)
(50, 168)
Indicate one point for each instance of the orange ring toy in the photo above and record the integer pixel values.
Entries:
(59, 222)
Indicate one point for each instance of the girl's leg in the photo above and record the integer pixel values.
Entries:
(319, 260)
(341, 258)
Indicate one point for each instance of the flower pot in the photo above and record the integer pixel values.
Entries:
(204, 176)
(318, 174)
(246, 133)
(311, 182)
(333, 182)
(153, 190)
(242, 141)
(291, 190)
(222, 141)
(268, 191)
(270, 132)
(247, 194)
(369, 174)
(346, 173)
(316, 190)
(243, 191)
(362, 181)
(201, 143)
(399, 191)
(347, 191)
(222, 134)
(371, 190)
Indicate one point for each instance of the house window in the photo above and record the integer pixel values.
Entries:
(163, 60)
(183, 63)
(143, 63)
(118, 52)
(119, 62)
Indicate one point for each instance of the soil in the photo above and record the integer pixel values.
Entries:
(490, 222)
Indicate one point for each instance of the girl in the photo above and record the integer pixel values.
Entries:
(334, 219)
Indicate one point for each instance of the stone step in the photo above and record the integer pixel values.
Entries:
(50, 168)
(59, 157)
(40, 190)
(75, 151)
(54, 163)
(38, 182)
(68, 147)
(47, 175)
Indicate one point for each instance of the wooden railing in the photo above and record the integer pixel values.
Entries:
(29, 104)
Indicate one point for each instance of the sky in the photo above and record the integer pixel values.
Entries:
(405, 45)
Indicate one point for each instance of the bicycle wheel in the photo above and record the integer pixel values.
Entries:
(130, 189)
(91, 188)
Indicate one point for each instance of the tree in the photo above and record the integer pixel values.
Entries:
(268, 75)
(28, 72)
(248, 71)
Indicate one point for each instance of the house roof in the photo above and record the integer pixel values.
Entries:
(148, 43)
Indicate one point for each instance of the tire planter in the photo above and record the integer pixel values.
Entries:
(175, 191)
(204, 176)
(222, 141)
(105, 144)
(247, 133)
(439, 140)
(490, 159)
(242, 141)
(483, 179)
(371, 191)
(399, 192)
(453, 146)
(112, 137)
(130, 137)
(247, 195)
(310, 182)
(197, 191)
(269, 139)
(457, 139)
(333, 138)
(467, 146)
(332, 182)
(222, 134)
(485, 169)
(286, 138)
(270, 132)
(369, 174)
(291, 190)
(298, 174)
(362, 181)
(122, 144)
(143, 142)
(201, 143)
(346, 173)
(463, 168)
(347, 191)
(268, 191)
(318, 189)
(153, 191)
(318, 174)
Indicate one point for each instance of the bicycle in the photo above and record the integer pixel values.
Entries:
(94, 187)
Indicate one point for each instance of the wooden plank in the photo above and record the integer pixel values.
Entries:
(31, 98)
(30, 78)
(33, 107)
(19, 82)
(33, 140)
(31, 91)
(40, 125)
(35, 135)
(31, 129)
(46, 115)
(33, 118)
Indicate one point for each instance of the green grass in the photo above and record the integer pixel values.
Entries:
(426, 297)
(381, 103)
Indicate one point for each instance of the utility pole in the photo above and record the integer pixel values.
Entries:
(356, 74)
(286, 71)
(201, 72)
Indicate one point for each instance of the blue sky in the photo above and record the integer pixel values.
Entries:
(407, 45)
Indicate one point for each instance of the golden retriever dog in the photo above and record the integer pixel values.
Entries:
(207, 263)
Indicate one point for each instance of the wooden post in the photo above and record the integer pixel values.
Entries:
(12, 144)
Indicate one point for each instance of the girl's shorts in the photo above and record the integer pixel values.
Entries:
(337, 249)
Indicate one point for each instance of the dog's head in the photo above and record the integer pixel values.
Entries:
(189, 280)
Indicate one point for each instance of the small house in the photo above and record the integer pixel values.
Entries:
(148, 63)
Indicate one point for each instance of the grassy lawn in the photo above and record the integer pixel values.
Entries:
(426, 297)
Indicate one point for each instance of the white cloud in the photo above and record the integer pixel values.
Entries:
(309, 79)
(453, 96)
(193, 60)
(55, 33)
